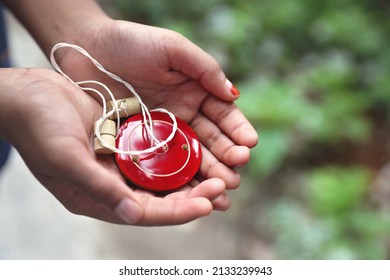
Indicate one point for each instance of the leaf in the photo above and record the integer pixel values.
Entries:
(334, 191)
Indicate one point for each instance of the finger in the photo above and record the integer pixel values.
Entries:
(209, 189)
(75, 167)
(161, 211)
(230, 120)
(105, 188)
(211, 167)
(184, 205)
(157, 211)
(218, 143)
(79, 204)
(221, 203)
(212, 189)
(140, 208)
(194, 62)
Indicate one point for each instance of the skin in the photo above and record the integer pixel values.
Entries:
(51, 122)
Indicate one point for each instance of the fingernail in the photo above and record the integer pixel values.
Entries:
(232, 88)
(129, 211)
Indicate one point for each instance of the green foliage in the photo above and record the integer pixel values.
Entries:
(314, 77)
(332, 223)
(271, 151)
(334, 190)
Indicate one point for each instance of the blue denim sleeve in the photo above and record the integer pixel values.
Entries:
(4, 55)
(4, 62)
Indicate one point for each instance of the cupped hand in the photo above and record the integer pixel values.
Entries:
(169, 71)
(52, 128)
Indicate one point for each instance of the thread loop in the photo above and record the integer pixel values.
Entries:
(115, 109)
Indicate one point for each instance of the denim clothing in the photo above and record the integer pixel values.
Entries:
(4, 62)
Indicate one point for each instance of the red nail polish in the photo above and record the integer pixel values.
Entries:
(232, 88)
(235, 91)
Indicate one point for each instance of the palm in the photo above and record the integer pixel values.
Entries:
(59, 154)
(163, 68)
(164, 77)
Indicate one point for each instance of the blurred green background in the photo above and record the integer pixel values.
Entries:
(314, 81)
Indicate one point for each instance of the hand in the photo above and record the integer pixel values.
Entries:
(169, 71)
(51, 125)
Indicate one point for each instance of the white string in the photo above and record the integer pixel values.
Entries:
(147, 119)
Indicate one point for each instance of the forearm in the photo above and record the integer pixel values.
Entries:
(52, 21)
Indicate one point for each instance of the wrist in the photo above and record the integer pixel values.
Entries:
(50, 22)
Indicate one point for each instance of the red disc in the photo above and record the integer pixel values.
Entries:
(167, 168)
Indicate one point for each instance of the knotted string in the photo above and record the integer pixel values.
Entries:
(147, 119)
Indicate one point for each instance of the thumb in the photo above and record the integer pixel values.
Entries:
(195, 63)
(78, 170)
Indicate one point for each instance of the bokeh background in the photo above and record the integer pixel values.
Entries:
(314, 81)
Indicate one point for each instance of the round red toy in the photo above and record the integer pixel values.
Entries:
(165, 169)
